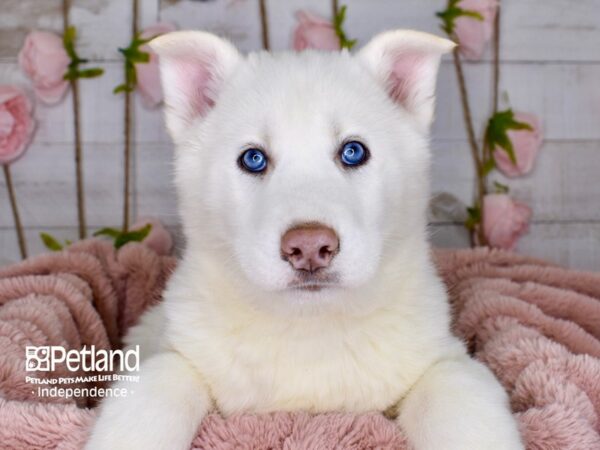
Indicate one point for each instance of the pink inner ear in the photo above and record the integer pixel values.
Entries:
(196, 84)
(406, 70)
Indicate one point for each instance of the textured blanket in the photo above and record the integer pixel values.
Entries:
(535, 325)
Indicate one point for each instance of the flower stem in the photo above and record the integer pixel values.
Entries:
(78, 162)
(264, 23)
(78, 148)
(496, 49)
(15, 211)
(127, 137)
(474, 147)
(334, 7)
(487, 152)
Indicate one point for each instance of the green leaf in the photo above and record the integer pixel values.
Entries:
(350, 44)
(501, 188)
(130, 75)
(120, 238)
(488, 166)
(69, 38)
(339, 18)
(70, 75)
(453, 12)
(338, 22)
(73, 72)
(90, 73)
(474, 217)
(133, 55)
(133, 236)
(107, 231)
(138, 41)
(496, 133)
(50, 242)
(121, 88)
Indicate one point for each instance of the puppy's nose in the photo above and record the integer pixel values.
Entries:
(309, 247)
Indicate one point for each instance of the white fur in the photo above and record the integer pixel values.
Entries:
(230, 335)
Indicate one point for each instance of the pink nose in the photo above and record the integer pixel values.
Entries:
(309, 247)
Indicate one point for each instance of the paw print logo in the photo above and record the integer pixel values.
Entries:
(37, 359)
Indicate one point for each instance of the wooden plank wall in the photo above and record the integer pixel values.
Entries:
(550, 66)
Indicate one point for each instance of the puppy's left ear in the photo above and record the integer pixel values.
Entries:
(406, 63)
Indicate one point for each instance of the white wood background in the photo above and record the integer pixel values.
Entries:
(550, 66)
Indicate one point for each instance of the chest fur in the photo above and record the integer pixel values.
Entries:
(307, 365)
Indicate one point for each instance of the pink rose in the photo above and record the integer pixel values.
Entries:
(473, 34)
(504, 220)
(148, 75)
(314, 32)
(16, 123)
(526, 144)
(44, 60)
(159, 239)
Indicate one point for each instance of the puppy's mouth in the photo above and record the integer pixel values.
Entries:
(309, 282)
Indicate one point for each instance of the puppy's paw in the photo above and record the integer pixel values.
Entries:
(114, 431)
(162, 411)
(459, 405)
(139, 422)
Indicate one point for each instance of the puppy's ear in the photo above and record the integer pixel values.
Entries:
(193, 67)
(406, 63)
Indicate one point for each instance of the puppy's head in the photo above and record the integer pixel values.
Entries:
(301, 174)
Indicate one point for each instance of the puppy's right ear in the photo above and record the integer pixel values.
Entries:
(193, 67)
(406, 63)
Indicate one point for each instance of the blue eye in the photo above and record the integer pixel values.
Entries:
(354, 154)
(253, 160)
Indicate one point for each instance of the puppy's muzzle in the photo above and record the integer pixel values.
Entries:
(309, 247)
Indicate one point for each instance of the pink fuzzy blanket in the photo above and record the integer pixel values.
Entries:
(535, 325)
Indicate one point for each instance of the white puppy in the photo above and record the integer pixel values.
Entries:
(307, 282)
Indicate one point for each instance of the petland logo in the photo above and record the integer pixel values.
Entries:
(88, 359)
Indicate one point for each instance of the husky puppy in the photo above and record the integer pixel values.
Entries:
(307, 281)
